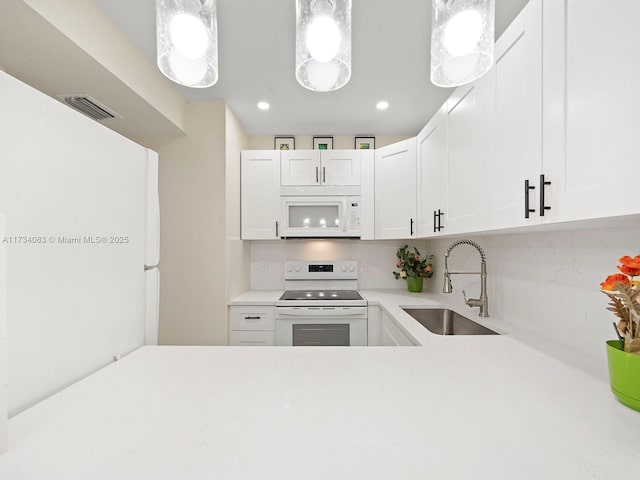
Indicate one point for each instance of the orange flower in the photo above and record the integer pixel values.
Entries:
(630, 266)
(428, 268)
(612, 280)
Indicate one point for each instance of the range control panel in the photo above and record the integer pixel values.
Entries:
(321, 270)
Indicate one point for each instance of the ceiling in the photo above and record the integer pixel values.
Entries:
(390, 61)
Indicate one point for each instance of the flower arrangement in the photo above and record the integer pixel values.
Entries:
(412, 264)
(623, 291)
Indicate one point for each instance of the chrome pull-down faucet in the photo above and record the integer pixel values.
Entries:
(483, 301)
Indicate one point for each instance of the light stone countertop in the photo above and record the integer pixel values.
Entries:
(487, 407)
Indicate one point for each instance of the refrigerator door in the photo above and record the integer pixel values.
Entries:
(152, 237)
(153, 305)
(77, 192)
(4, 408)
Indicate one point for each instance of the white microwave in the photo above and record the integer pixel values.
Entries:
(325, 216)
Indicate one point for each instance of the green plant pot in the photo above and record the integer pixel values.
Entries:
(414, 284)
(624, 374)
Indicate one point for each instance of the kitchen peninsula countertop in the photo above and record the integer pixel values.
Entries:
(454, 408)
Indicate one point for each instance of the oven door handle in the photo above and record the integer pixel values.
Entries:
(320, 311)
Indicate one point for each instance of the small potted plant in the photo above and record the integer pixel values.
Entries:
(624, 354)
(413, 266)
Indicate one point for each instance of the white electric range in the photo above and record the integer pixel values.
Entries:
(321, 305)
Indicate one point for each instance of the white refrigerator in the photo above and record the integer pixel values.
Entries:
(81, 206)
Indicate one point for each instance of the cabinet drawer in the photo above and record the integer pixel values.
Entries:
(253, 317)
(252, 338)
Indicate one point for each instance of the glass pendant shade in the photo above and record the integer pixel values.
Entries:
(462, 39)
(323, 44)
(187, 41)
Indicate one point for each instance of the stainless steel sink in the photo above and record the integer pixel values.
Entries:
(447, 322)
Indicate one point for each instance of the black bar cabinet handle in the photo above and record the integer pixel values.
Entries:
(527, 210)
(317, 178)
(252, 318)
(324, 174)
(435, 228)
(543, 207)
(276, 228)
(440, 215)
(411, 227)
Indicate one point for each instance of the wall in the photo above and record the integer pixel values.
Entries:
(192, 184)
(4, 407)
(376, 260)
(544, 286)
(238, 254)
(304, 142)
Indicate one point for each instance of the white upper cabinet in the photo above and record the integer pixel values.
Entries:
(260, 194)
(518, 127)
(320, 167)
(470, 123)
(300, 167)
(395, 190)
(601, 98)
(432, 176)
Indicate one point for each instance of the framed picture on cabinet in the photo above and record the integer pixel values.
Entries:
(365, 143)
(323, 143)
(284, 143)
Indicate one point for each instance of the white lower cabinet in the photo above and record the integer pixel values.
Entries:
(252, 338)
(252, 325)
(384, 330)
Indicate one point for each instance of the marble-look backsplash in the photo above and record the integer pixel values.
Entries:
(545, 286)
(376, 260)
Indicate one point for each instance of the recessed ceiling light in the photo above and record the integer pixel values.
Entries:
(382, 105)
(263, 105)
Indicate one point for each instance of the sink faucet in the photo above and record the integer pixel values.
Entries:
(483, 301)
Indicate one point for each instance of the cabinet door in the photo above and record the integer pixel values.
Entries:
(395, 190)
(432, 175)
(367, 196)
(518, 110)
(340, 167)
(252, 338)
(470, 125)
(300, 167)
(392, 335)
(598, 175)
(260, 194)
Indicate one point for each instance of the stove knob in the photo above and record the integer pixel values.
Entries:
(352, 268)
(343, 268)
(297, 267)
(289, 268)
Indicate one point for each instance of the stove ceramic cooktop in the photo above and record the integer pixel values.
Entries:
(321, 295)
(317, 296)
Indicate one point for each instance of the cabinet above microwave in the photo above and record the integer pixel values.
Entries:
(319, 167)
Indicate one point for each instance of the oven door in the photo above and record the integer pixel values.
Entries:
(321, 326)
(314, 216)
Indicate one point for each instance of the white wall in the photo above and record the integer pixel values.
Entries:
(4, 407)
(238, 254)
(545, 286)
(192, 185)
(376, 260)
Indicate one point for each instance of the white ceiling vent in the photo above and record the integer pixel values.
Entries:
(89, 106)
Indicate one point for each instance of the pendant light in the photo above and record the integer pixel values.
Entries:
(323, 44)
(462, 38)
(187, 41)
